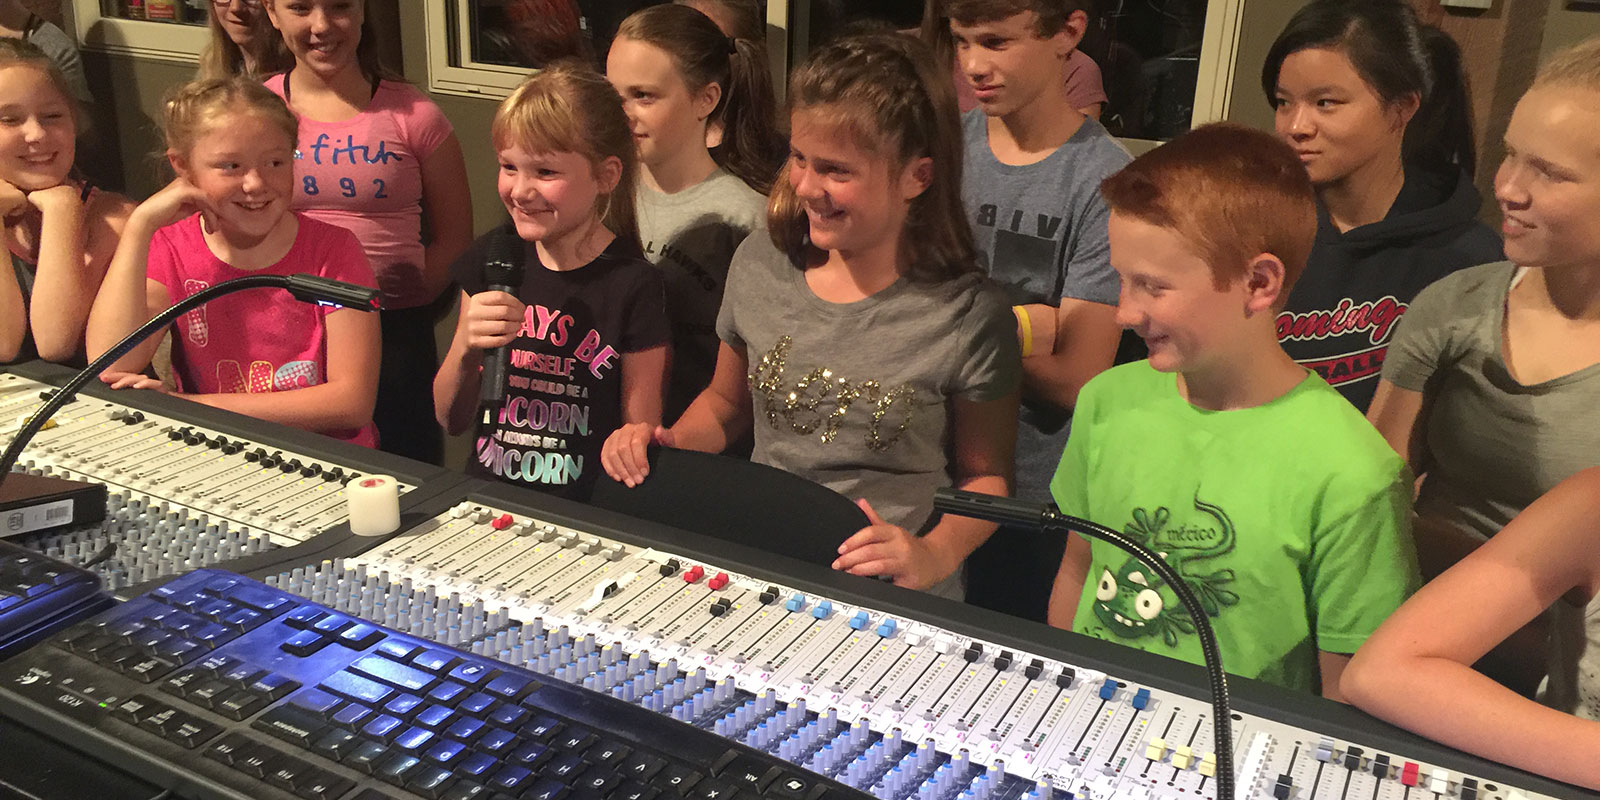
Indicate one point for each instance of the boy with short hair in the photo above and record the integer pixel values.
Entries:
(1030, 180)
(1282, 508)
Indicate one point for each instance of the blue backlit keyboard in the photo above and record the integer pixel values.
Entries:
(39, 595)
(218, 686)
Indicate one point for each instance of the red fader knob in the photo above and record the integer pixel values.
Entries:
(694, 574)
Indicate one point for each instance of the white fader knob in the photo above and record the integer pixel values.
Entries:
(373, 502)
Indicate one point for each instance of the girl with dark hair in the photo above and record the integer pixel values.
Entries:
(376, 156)
(860, 337)
(1376, 106)
(676, 70)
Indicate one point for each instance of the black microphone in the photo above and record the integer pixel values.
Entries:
(502, 272)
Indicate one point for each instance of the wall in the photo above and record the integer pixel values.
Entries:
(1566, 25)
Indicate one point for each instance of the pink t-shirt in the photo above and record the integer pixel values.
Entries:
(259, 340)
(365, 174)
(1083, 85)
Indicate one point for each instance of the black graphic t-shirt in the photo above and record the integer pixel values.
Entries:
(564, 384)
(1358, 283)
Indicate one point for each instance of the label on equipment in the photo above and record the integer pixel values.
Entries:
(33, 518)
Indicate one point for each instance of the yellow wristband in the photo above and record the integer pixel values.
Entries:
(1027, 329)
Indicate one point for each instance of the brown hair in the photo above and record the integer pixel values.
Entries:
(568, 107)
(744, 18)
(1576, 67)
(23, 53)
(704, 55)
(367, 56)
(885, 92)
(1231, 191)
(191, 109)
(1050, 16)
(224, 58)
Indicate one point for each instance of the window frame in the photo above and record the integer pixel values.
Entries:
(170, 42)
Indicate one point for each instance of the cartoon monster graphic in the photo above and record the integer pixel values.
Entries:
(1129, 601)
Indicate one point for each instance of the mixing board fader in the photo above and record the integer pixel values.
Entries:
(884, 702)
(182, 494)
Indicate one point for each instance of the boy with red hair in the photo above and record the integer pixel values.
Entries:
(1282, 508)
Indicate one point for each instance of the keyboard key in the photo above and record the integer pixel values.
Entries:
(677, 778)
(496, 741)
(315, 784)
(466, 790)
(477, 764)
(546, 789)
(445, 752)
(272, 685)
(405, 677)
(243, 619)
(315, 701)
(238, 704)
(383, 727)
(436, 716)
(472, 673)
(511, 779)
(512, 687)
(447, 692)
(291, 725)
(711, 790)
(230, 747)
(365, 756)
(357, 688)
(394, 768)
(360, 636)
(466, 729)
(607, 753)
(352, 715)
(138, 708)
(541, 728)
(435, 661)
(508, 716)
(745, 771)
(284, 771)
(237, 673)
(254, 762)
(335, 744)
(428, 780)
(208, 693)
(259, 598)
(304, 643)
(413, 739)
(332, 624)
(565, 768)
(790, 786)
(530, 755)
(641, 766)
(304, 617)
(191, 732)
(397, 649)
(575, 739)
(477, 703)
(599, 780)
(633, 790)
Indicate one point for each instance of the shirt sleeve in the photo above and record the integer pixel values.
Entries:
(1422, 336)
(647, 324)
(424, 124)
(1363, 565)
(1089, 275)
(162, 265)
(736, 290)
(1085, 86)
(991, 364)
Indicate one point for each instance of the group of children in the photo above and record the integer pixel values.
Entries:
(903, 297)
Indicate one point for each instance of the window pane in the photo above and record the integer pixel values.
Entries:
(190, 12)
(532, 33)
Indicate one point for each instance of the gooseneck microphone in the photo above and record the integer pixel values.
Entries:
(1008, 511)
(502, 272)
(305, 288)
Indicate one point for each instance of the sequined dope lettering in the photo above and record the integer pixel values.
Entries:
(802, 405)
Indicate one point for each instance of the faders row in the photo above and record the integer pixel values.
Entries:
(181, 495)
(886, 703)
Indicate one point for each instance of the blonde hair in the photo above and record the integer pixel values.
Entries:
(22, 53)
(223, 58)
(192, 109)
(888, 94)
(1576, 67)
(568, 107)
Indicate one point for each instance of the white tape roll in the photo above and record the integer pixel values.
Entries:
(374, 505)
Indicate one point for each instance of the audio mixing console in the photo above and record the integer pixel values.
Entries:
(894, 693)
(188, 486)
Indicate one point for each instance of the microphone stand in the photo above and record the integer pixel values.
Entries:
(1007, 511)
(305, 288)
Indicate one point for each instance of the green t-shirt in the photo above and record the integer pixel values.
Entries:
(1290, 521)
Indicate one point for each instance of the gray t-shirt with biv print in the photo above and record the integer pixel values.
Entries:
(1041, 233)
(856, 396)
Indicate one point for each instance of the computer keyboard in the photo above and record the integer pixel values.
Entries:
(39, 595)
(218, 686)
